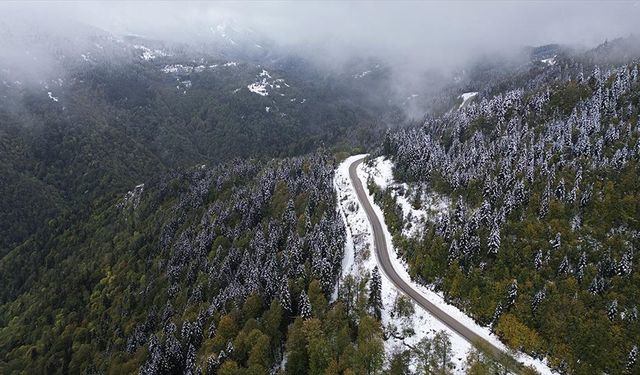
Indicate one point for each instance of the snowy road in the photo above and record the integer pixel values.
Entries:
(384, 260)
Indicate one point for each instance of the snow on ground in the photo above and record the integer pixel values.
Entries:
(362, 75)
(55, 99)
(432, 205)
(355, 262)
(258, 88)
(149, 54)
(265, 83)
(466, 97)
(551, 61)
(185, 69)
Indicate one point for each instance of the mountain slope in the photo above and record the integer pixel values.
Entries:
(539, 241)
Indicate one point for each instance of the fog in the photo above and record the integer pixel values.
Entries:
(435, 33)
(411, 36)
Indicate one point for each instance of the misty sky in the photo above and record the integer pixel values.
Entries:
(438, 31)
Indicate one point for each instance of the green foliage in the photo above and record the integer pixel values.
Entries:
(565, 97)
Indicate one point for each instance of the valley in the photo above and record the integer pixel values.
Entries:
(319, 188)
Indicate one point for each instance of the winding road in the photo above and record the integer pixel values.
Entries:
(382, 254)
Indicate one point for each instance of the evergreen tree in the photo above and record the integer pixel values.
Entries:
(538, 261)
(565, 267)
(612, 310)
(512, 293)
(537, 299)
(632, 358)
(442, 353)
(556, 242)
(304, 306)
(375, 293)
(625, 266)
(285, 296)
(582, 264)
(494, 240)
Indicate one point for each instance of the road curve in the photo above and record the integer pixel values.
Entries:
(382, 254)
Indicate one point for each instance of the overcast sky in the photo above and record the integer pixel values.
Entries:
(438, 31)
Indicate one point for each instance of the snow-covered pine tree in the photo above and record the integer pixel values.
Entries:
(494, 239)
(304, 307)
(544, 203)
(458, 213)
(454, 251)
(565, 267)
(538, 261)
(598, 285)
(485, 212)
(537, 299)
(582, 265)
(190, 362)
(556, 242)
(284, 295)
(632, 358)
(625, 266)
(496, 314)
(375, 293)
(560, 190)
(512, 293)
(212, 364)
(612, 310)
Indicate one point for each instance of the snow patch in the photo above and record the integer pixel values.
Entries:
(551, 61)
(149, 54)
(466, 97)
(258, 88)
(184, 69)
(362, 74)
(432, 206)
(55, 99)
(266, 83)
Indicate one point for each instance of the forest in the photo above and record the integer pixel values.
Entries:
(176, 213)
(539, 242)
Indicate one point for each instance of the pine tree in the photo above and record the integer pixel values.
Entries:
(458, 214)
(544, 203)
(285, 296)
(538, 260)
(375, 293)
(454, 251)
(598, 285)
(612, 310)
(442, 353)
(190, 362)
(633, 314)
(565, 267)
(494, 239)
(537, 299)
(626, 264)
(560, 190)
(496, 314)
(632, 359)
(582, 265)
(556, 242)
(512, 293)
(485, 212)
(304, 307)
